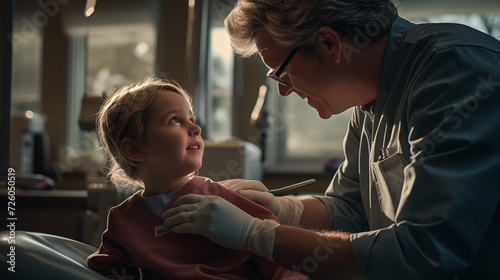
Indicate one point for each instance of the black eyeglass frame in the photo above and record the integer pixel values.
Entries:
(276, 75)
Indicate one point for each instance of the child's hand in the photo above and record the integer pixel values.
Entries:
(222, 222)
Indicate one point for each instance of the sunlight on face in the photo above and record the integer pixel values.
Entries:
(173, 142)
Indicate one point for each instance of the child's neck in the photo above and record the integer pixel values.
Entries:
(161, 186)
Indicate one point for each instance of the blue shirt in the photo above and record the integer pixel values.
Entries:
(157, 203)
(420, 184)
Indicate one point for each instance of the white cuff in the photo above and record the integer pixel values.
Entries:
(290, 211)
(261, 239)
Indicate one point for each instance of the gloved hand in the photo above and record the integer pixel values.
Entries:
(288, 209)
(220, 221)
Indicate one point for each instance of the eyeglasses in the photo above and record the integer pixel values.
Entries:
(276, 75)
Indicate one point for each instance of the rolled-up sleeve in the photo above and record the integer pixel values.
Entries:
(343, 198)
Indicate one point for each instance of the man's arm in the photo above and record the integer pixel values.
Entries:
(315, 215)
(321, 255)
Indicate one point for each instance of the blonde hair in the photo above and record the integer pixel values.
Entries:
(124, 115)
(294, 23)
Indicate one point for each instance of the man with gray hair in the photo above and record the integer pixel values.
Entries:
(417, 196)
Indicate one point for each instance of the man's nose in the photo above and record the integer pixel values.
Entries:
(285, 90)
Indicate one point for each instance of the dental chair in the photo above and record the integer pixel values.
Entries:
(44, 256)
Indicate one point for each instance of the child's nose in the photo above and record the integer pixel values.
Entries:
(195, 130)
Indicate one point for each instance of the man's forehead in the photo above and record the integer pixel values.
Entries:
(267, 47)
(263, 40)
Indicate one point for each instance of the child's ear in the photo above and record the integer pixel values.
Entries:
(131, 150)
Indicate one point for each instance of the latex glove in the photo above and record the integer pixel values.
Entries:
(220, 221)
(288, 209)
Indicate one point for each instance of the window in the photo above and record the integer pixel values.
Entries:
(489, 23)
(220, 77)
(108, 60)
(214, 95)
(27, 121)
(26, 67)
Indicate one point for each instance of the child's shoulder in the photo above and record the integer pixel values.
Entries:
(127, 203)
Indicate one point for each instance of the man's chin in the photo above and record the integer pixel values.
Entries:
(322, 112)
(325, 115)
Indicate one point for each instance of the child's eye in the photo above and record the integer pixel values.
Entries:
(193, 120)
(173, 120)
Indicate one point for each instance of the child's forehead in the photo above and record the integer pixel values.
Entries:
(168, 94)
(167, 99)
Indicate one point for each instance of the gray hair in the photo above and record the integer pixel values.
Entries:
(294, 23)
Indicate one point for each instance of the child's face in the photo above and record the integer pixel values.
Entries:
(173, 144)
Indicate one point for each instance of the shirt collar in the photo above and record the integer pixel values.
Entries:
(396, 37)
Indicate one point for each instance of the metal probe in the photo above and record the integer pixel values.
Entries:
(293, 186)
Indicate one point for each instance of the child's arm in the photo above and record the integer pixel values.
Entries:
(112, 260)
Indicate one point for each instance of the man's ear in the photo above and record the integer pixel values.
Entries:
(329, 43)
(131, 150)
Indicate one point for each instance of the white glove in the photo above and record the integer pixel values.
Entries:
(288, 209)
(220, 221)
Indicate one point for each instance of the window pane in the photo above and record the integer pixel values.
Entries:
(115, 60)
(488, 23)
(309, 136)
(221, 77)
(26, 72)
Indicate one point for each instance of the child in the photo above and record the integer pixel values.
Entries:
(149, 132)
